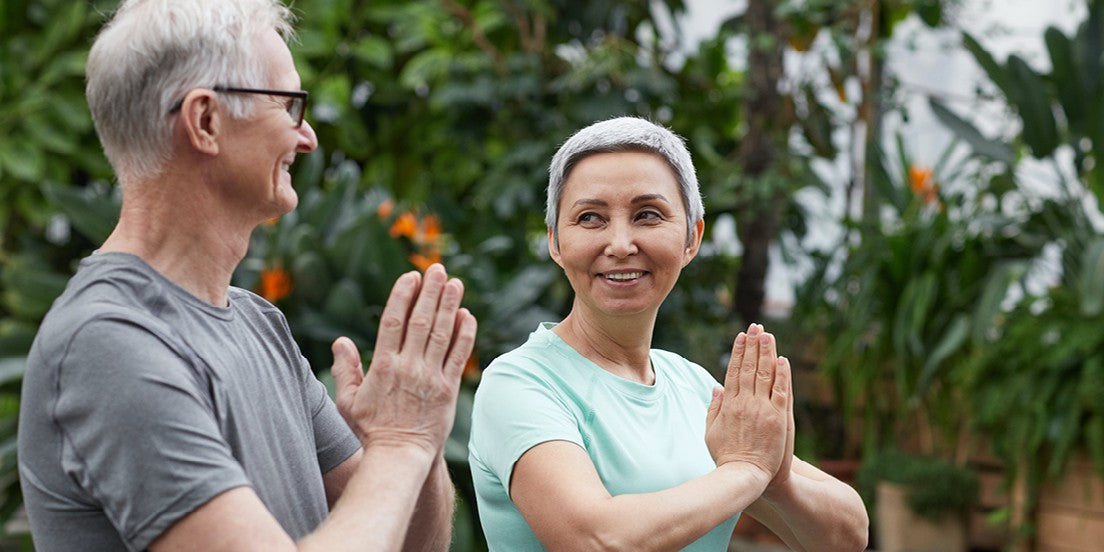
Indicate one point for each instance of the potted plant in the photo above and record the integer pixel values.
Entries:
(918, 503)
(1038, 392)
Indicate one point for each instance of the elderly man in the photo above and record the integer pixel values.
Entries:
(164, 409)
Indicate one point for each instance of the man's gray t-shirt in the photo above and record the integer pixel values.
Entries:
(142, 402)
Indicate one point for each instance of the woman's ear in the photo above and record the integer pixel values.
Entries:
(201, 120)
(695, 242)
(554, 247)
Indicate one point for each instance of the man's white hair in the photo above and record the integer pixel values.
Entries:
(153, 52)
(618, 135)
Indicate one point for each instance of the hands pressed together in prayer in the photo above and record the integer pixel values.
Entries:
(408, 396)
(750, 419)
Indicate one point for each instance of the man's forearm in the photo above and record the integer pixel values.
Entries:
(378, 503)
(431, 525)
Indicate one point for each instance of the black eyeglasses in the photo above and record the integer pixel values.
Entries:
(295, 109)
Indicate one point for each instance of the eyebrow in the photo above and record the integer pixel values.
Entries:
(638, 199)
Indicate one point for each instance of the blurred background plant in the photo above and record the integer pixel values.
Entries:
(436, 120)
(1036, 383)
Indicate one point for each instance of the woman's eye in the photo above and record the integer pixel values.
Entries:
(648, 215)
(588, 218)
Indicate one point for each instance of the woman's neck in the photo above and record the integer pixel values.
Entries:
(620, 345)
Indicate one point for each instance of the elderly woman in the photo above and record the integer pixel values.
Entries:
(586, 438)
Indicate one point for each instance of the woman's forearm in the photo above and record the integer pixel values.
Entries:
(814, 511)
(665, 520)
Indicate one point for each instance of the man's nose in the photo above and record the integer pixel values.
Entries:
(308, 140)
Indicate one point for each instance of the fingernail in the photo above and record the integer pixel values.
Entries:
(764, 339)
(741, 338)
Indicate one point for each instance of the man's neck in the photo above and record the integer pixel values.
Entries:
(183, 235)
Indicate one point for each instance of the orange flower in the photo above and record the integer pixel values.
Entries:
(431, 228)
(384, 210)
(405, 225)
(471, 367)
(424, 261)
(920, 180)
(275, 284)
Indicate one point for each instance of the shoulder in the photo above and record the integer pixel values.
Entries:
(256, 309)
(246, 299)
(538, 355)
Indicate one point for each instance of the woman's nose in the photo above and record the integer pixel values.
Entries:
(622, 241)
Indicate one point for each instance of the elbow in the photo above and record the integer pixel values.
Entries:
(855, 535)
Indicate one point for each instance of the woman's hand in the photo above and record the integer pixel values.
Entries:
(750, 419)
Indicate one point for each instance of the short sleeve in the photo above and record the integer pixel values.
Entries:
(514, 411)
(139, 428)
(334, 440)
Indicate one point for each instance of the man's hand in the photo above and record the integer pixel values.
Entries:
(747, 420)
(408, 396)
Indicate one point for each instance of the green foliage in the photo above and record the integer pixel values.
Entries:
(1035, 376)
(42, 109)
(1038, 385)
(910, 300)
(1064, 106)
(934, 487)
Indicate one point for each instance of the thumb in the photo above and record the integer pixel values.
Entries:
(346, 370)
(714, 406)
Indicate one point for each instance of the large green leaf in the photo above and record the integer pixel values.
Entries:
(92, 211)
(991, 149)
(1066, 79)
(29, 287)
(949, 343)
(22, 159)
(883, 184)
(995, 71)
(1032, 100)
(1090, 41)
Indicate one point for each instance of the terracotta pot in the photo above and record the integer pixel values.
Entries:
(1070, 515)
(898, 529)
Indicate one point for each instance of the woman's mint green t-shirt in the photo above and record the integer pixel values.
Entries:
(641, 438)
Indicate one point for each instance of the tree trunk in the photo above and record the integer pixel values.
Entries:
(759, 152)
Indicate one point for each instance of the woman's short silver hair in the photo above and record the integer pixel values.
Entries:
(153, 52)
(624, 134)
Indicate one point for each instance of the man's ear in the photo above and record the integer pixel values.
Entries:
(554, 248)
(202, 120)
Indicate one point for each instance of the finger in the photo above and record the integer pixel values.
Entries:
(750, 360)
(714, 406)
(783, 387)
(462, 343)
(421, 318)
(392, 325)
(765, 368)
(346, 371)
(732, 375)
(440, 338)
